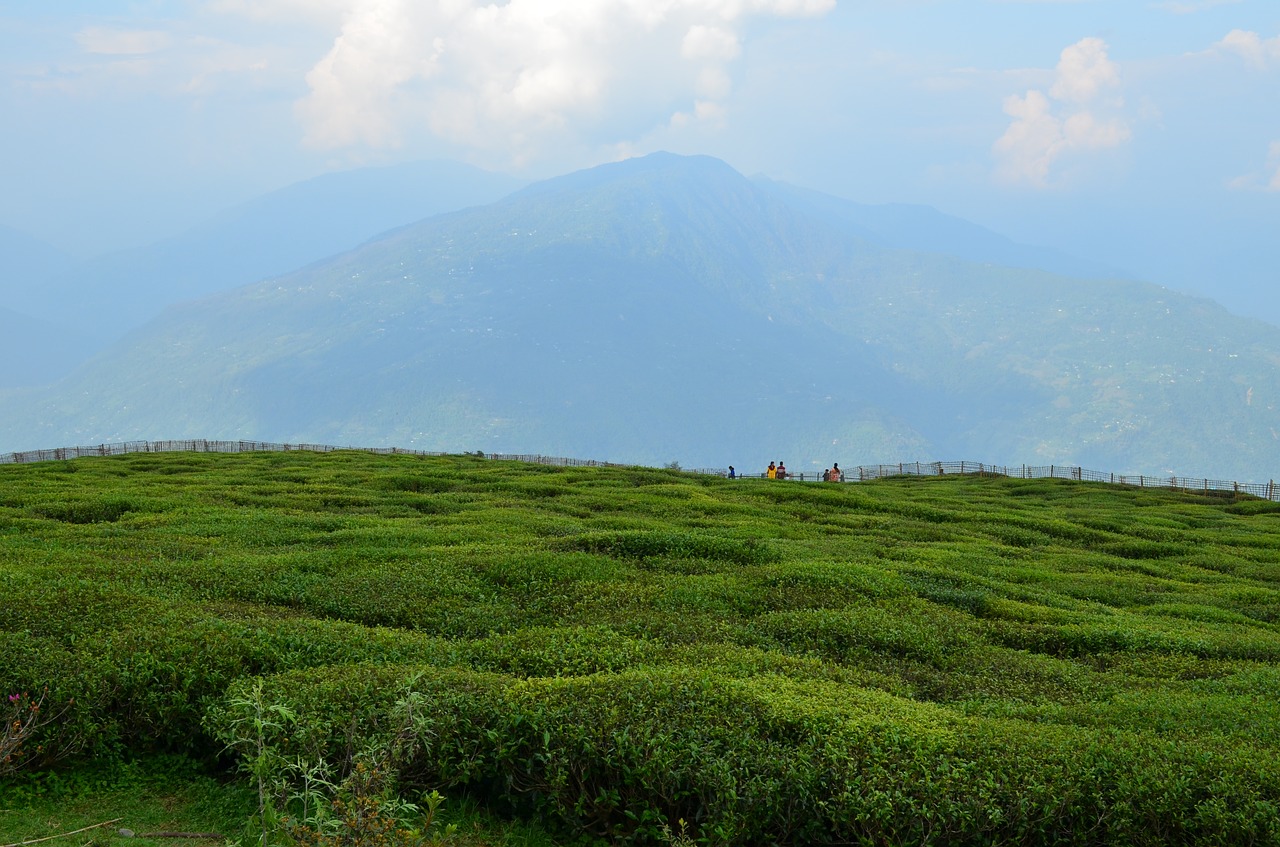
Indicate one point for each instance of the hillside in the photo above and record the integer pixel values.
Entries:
(668, 308)
(955, 660)
(925, 229)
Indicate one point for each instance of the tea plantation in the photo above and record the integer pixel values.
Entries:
(607, 653)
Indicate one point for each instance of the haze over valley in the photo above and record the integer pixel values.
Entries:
(669, 308)
(712, 235)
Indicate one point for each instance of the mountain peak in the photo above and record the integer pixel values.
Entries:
(660, 167)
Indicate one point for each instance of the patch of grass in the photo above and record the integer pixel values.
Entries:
(150, 795)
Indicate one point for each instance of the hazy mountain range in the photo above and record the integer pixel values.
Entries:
(98, 300)
(670, 308)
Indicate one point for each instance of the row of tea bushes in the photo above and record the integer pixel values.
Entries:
(765, 759)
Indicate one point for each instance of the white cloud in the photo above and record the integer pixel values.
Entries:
(121, 42)
(702, 43)
(1082, 112)
(1268, 180)
(1084, 71)
(292, 12)
(1187, 7)
(1031, 142)
(1253, 48)
(517, 77)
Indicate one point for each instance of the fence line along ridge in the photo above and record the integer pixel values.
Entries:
(1266, 490)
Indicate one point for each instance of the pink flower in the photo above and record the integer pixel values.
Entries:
(13, 698)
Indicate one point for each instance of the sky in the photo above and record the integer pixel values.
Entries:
(1140, 133)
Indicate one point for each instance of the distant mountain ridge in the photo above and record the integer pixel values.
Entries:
(669, 308)
(925, 229)
(103, 298)
(271, 235)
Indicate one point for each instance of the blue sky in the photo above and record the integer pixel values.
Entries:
(1143, 133)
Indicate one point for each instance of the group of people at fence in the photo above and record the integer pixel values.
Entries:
(778, 470)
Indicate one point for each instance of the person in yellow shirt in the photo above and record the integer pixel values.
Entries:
(772, 473)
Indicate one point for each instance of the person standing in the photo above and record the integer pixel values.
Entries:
(772, 473)
(732, 475)
(782, 470)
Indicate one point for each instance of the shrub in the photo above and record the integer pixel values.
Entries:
(86, 511)
(677, 545)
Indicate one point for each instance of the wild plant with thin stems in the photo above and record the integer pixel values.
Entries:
(302, 803)
(25, 716)
(258, 724)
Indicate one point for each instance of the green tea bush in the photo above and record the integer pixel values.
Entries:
(1141, 548)
(560, 651)
(676, 545)
(1016, 536)
(1253, 507)
(946, 589)
(774, 760)
(822, 583)
(946, 661)
(60, 727)
(87, 510)
(419, 484)
(907, 631)
(343, 710)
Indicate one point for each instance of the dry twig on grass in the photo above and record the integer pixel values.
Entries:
(62, 834)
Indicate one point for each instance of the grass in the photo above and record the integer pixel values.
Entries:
(160, 794)
(609, 651)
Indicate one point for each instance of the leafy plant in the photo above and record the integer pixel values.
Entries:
(366, 812)
(257, 730)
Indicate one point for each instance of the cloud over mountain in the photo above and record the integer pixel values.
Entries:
(518, 76)
(1082, 112)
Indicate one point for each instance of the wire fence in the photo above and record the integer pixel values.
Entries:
(201, 445)
(1266, 490)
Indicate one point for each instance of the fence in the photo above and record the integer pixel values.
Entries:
(201, 445)
(1267, 490)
